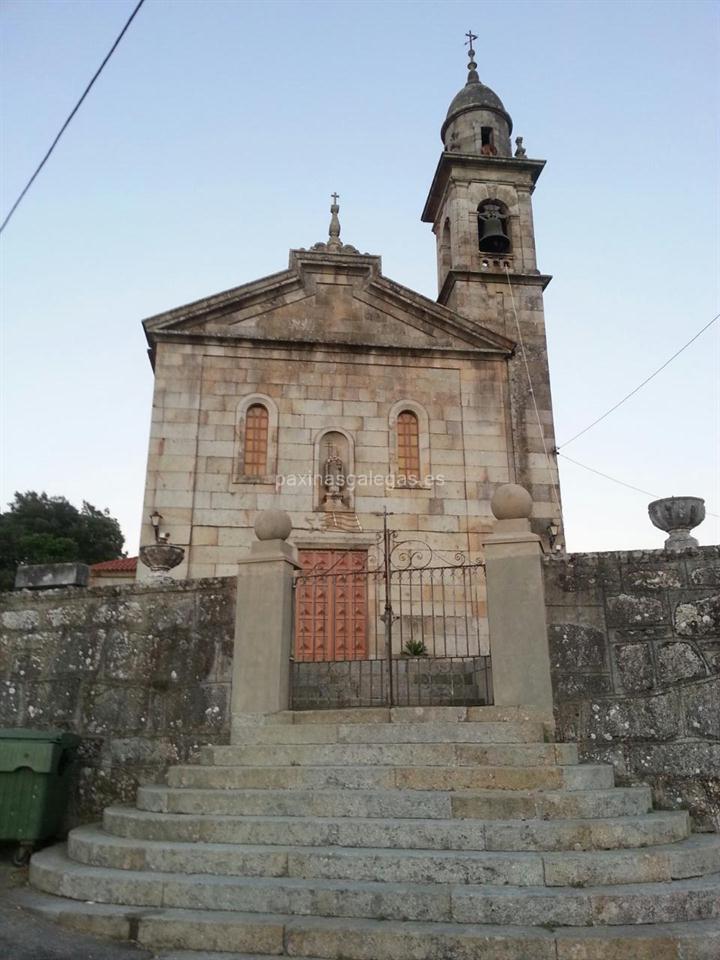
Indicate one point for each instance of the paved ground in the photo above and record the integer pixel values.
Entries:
(24, 936)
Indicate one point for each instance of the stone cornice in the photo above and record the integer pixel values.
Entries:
(357, 263)
(309, 345)
(499, 169)
(490, 276)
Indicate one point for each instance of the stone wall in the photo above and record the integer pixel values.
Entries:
(142, 673)
(417, 681)
(635, 652)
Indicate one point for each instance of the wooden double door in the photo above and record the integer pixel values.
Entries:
(331, 605)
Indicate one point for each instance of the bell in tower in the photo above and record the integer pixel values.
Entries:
(492, 228)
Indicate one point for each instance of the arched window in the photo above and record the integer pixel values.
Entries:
(255, 447)
(493, 232)
(256, 440)
(408, 445)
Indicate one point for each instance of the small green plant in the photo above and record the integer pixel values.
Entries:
(415, 648)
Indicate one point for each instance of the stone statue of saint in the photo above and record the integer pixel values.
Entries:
(333, 479)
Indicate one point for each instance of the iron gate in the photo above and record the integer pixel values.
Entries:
(405, 631)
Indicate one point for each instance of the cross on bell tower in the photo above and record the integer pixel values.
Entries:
(472, 66)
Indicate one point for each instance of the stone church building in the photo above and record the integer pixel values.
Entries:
(455, 813)
(332, 392)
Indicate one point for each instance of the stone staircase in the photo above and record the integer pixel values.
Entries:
(405, 834)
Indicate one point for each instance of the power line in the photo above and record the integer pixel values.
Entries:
(641, 385)
(622, 483)
(72, 114)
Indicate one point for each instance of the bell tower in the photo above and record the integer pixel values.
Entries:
(480, 208)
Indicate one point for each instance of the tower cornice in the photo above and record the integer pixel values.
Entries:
(497, 169)
(489, 276)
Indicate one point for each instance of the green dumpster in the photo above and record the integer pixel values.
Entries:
(34, 779)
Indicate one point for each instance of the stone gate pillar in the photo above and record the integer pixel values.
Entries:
(516, 605)
(264, 622)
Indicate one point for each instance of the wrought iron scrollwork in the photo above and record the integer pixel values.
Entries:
(414, 553)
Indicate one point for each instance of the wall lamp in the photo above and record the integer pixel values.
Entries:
(155, 519)
(553, 531)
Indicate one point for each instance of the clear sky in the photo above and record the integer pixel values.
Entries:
(211, 143)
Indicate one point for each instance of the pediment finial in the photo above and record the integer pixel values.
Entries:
(334, 243)
(334, 231)
(472, 66)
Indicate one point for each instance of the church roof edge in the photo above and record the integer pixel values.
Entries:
(293, 284)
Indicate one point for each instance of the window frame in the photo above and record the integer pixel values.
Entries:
(255, 441)
(239, 473)
(423, 446)
(407, 426)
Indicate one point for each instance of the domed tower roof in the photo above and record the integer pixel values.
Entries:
(475, 96)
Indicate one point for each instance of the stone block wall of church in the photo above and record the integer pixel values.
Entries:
(635, 653)
(192, 468)
(495, 307)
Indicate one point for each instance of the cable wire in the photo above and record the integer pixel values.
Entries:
(641, 385)
(622, 483)
(72, 114)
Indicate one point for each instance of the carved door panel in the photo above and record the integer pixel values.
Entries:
(331, 621)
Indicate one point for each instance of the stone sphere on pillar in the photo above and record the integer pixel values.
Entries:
(511, 502)
(273, 525)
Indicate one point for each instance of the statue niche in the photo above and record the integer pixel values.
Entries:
(334, 468)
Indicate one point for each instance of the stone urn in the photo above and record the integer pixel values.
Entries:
(161, 558)
(677, 516)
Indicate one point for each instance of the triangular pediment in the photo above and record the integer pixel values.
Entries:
(327, 298)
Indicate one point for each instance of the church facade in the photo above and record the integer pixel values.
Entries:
(336, 394)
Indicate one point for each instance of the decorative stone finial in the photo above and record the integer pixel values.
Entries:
(677, 516)
(520, 150)
(511, 502)
(334, 242)
(273, 525)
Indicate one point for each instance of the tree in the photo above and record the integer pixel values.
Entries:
(42, 529)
